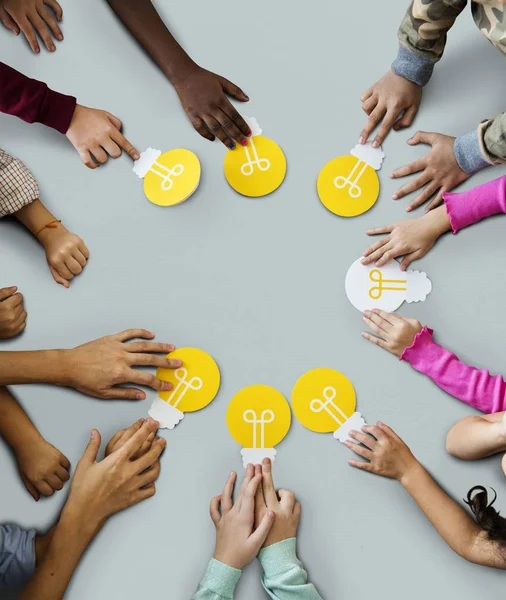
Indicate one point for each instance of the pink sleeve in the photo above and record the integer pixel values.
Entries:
(469, 207)
(473, 386)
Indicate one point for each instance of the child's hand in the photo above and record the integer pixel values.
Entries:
(204, 98)
(440, 171)
(237, 540)
(122, 436)
(396, 332)
(43, 468)
(411, 239)
(66, 253)
(95, 134)
(12, 313)
(282, 503)
(31, 16)
(387, 100)
(387, 454)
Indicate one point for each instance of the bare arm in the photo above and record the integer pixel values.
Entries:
(477, 436)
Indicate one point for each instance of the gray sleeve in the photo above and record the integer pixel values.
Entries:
(413, 67)
(17, 555)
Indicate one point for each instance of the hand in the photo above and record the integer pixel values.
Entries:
(101, 489)
(387, 454)
(388, 99)
(12, 312)
(237, 540)
(203, 96)
(96, 368)
(122, 436)
(440, 171)
(282, 504)
(66, 253)
(396, 332)
(31, 16)
(95, 134)
(43, 469)
(411, 239)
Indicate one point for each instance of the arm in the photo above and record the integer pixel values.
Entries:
(218, 583)
(388, 456)
(17, 555)
(477, 436)
(18, 187)
(32, 100)
(422, 36)
(284, 576)
(482, 147)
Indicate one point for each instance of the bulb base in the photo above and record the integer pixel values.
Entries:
(356, 422)
(167, 415)
(145, 162)
(255, 456)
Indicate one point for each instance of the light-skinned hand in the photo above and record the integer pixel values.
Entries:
(203, 95)
(98, 367)
(439, 171)
(122, 436)
(66, 253)
(386, 453)
(237, 540)
(282, 503)
(396, 333)
(96, 135)
(393, 101)
(411, 238)
(33, 17)
(12, 312)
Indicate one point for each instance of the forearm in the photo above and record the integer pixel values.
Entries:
(35, 366)
(144, 23)
(218, 583)
(16, 426)
(476, 437)
(70, 539)
(34, 216)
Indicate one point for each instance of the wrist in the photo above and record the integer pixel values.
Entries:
(81, 524)
(438, 221)
(411, 474)
(47, 231)
(178, 74)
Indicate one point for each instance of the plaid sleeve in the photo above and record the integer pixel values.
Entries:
(17, 185)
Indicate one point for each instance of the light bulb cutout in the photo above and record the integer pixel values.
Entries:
(386, 287)
(258, 168)
(195, 384)
(348, 185)
(324, 401)
(258, 418)
(169, 178)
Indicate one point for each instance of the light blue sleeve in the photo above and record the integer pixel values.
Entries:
(284, 576)
(17, 555)
(218, 582)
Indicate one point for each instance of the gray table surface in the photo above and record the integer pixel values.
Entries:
(260, 285)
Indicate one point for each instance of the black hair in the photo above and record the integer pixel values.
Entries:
(487, 517)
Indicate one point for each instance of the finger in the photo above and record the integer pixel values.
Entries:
(55, 482)
(391, 317)
(143, 494)
(230, 127)
(388, 431)
(360, 450)
(393, 251)
(233, 90)
(370, 104)
(79, 256)
(373, 326)
(375, 340)
(409, 258)
(87, 159)
(63, 271)
(58, 278)
(73, 266)
(383, 246)
(155, 361)
(382, 324)
(380, 230)
(271, 498)
(135, 442)
(29, 33)
(123, 393)
(413, 167)
(84, 249)
(258, 537)
(407, 118)
(200, 127)
(90, 454)
(13, 300)
(151, 457)
(145, 447)
(8, 292)
(226, 495)
(364, 439)
(374, 118)
(214, 509)
(150, 475)
(112, 149)
(259, 498)
(386, 125)
(287, 499)
(125, 145)
(374, 431)
(50, 20)
(43, 31)
(367, 94)
(250, 473)
(121, 436)
(248, 498)
(216, 129)
(44, 488)
(436, 201)
(238, 120)
(423, 197)
(412, 186)
(130, 334)
(32, 490)
(422, 137)
(57, 9)
(62, 474)
(358, 464)
(147, 379)
(64, 462)
(297, 509)
(9, 23)
(99, 154)
(142, 347)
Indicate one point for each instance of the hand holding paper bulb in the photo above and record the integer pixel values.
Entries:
(258, 417)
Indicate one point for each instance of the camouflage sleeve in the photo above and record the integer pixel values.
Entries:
(422, 37)
(482, 147)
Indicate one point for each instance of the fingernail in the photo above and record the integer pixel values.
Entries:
(52, 48)
(394, 197)
(361, 140)
(408, 208)
(60, 37)
(37, 50)
(13, 288)
(171, 348)
(177, 363)
(391, 175)
(367, 312)
(166, 385)
(139, 395)
(232, 146)
(375, 144)
(136, 155)
(244, 142)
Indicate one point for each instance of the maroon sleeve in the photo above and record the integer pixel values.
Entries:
(33, 101)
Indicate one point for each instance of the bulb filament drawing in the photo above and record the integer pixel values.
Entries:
(179, 392)
(329, 406)
(250, 416)
(166, 173)
(263, 164)
(376, 291)
(341, 182)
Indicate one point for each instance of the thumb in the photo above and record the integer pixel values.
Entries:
(7, 292)
(58, 278)
(260, 534)
(233, 90)
(91, 452)
(421, 137)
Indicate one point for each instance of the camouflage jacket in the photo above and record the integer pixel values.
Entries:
(422, 36)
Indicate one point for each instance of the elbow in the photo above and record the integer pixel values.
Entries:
(452, 446)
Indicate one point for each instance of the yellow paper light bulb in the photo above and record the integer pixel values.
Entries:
(258, 168)
(195, 385)
(324, 401)
(169, 178)
(348, 185)
(258, 418)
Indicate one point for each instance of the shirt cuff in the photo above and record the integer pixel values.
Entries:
(422, 340)
(279, 558)
(468, 153)
(17, 555)
(412, 66)
(57, 110)
(220, 578)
